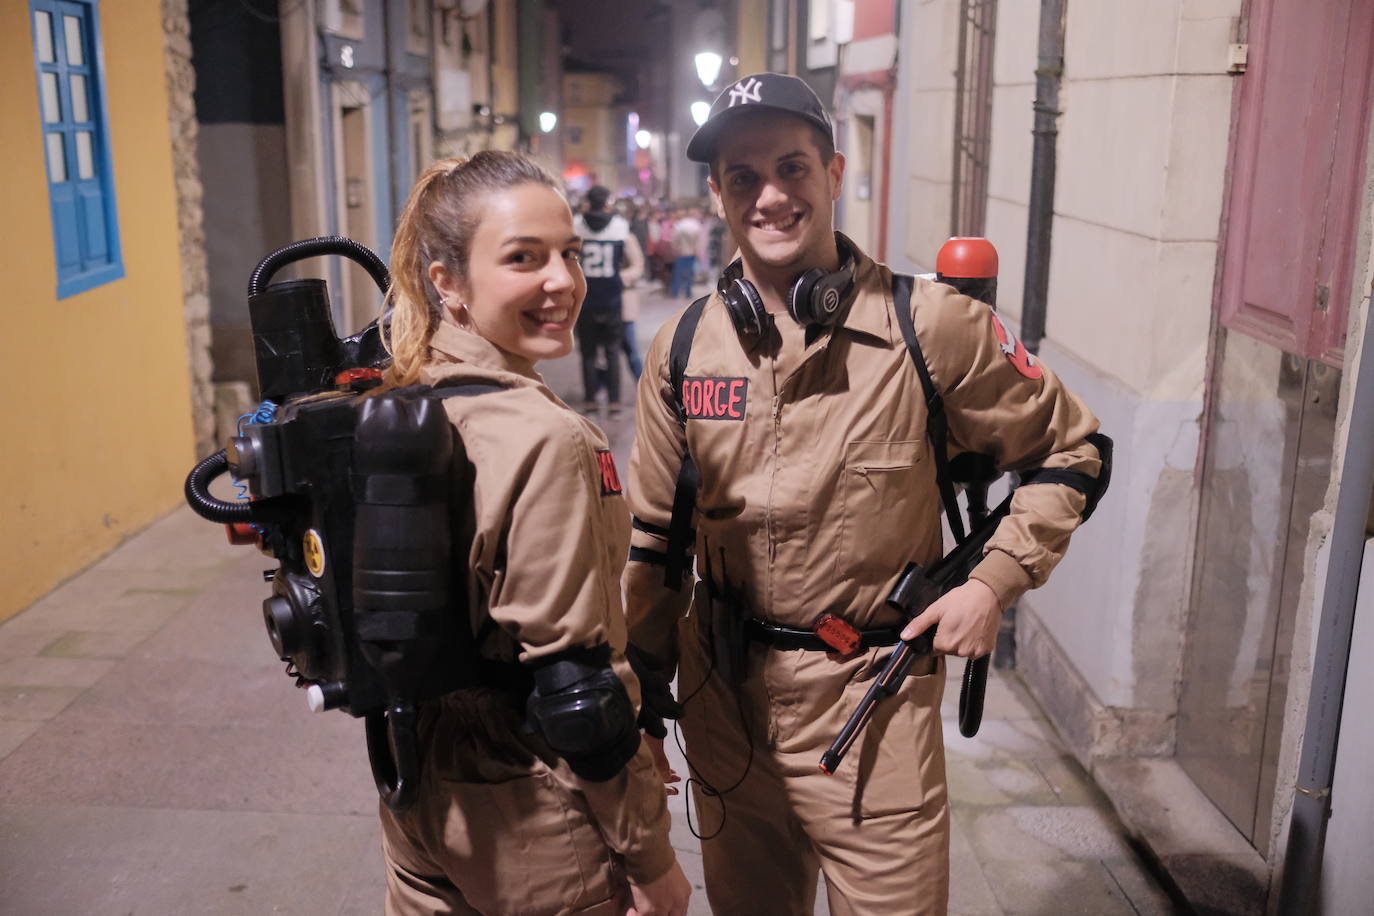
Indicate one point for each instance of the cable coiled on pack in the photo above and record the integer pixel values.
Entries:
(198, 496)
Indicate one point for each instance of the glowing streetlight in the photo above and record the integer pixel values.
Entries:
(547, 121)
(643, 138)
(708, 67)
(700, 112)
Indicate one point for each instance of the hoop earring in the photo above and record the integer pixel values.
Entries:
(462, 316)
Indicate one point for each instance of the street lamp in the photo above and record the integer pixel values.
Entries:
(700, 112)
(708, 67)
(643, 138)
(547, 121)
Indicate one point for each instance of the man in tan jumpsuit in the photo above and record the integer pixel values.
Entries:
(817, 487)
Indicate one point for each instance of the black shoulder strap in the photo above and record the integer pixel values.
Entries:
(463, 389)
(937, 424)
(680, 349)
(680, 532)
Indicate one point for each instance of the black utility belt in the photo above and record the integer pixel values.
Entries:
(780, 637)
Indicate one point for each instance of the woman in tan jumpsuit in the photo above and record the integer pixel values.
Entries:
(486, 282)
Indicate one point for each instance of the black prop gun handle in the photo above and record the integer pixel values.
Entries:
(884, 685)
(913, 593)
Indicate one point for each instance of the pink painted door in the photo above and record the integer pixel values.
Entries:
(1296, 168)
(1287, 272)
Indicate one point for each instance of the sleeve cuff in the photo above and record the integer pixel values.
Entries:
(1001, 573)
(651, 861)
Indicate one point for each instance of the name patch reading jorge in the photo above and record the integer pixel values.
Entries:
(715, 398)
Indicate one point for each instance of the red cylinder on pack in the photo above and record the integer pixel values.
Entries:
(242, 533)
(969, 264)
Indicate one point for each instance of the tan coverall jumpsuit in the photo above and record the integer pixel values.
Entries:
(813, 501)
(501, 825)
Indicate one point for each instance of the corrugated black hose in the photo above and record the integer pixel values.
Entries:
(206, 506)
(309, 248)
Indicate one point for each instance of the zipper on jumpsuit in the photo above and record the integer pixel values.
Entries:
(817, 347)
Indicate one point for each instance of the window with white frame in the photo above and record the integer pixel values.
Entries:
(76, 147)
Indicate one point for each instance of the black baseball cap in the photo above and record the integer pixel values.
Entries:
(762, 91)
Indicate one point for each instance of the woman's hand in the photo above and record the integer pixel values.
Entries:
(665, 768)
(666, 896)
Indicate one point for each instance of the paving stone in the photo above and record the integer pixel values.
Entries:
(90, 589)
(17, 642)
(1020, 738)
(93, 644)
(1069, 782)
(1044, 833)
(998, 781)
(53, 672)
(321, 770)
(969, 891)
(13, 734)
(137, 610)
(1056, 888)
(179, 540)
(35, 704)
(57, 860)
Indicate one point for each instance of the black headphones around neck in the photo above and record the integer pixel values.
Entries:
(813, 299)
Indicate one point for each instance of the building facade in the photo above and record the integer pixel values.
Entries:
(355, 98)
(105, 430)
(1182, 204)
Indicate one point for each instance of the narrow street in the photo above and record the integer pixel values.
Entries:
(155, 760)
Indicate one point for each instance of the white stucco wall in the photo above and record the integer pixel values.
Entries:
(1009, 166)
(924, 132)
(1141, 173)
(1142, 154)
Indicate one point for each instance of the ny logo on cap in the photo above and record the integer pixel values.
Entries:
(747, 91)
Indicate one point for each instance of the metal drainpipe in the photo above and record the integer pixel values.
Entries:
(1302, 860)
(1048, 71)
(397, 189)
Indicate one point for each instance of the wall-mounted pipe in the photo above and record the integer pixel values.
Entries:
(1048, 72)
(1302, 860)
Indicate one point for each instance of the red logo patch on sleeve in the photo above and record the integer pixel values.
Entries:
(715, 398)
(610, 480)
(1021, 358)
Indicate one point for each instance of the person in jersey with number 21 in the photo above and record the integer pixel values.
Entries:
(606, 243)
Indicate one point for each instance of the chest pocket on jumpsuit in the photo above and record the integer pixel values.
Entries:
(880, 486)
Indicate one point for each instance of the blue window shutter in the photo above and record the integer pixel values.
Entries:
(75, 141)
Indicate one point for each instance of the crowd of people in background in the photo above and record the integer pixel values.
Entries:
(684, 245)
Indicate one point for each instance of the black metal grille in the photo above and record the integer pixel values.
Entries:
(972, 117)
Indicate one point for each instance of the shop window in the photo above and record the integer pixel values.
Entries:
(76, 149)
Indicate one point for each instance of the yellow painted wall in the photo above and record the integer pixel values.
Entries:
(95, 430)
